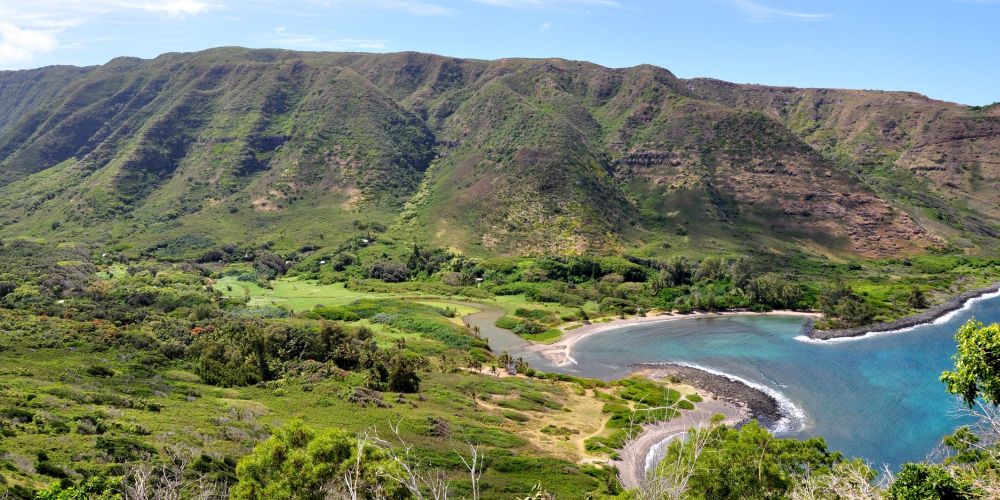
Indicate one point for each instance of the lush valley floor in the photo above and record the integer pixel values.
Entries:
(112, 366)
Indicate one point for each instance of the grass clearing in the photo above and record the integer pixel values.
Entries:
(292, 293)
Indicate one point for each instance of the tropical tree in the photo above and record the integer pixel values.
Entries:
(475, 364)
(300, 463)
(677, 272)
(773, 290)
(920, 481)
(402, 376)
(977, 365)
(521, 365)
(917, 299)
(504, 359)
(745, 463)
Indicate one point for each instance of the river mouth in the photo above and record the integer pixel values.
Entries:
(876, 397)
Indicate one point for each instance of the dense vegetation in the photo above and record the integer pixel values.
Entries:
(115, 373)
(178, 154)
(118, 371)
(244, 273)
(576, 287)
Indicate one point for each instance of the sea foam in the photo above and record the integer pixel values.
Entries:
(792, 419)
(940, 320)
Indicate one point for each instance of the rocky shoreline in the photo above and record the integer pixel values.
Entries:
(927, 316)
(758, 404)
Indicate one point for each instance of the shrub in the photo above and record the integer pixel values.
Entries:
(529, 327)
(683, 307)
(507, 323)
(547, 294)
(19, 415)
(552, 430)
(121, 449)
(517, 288)
(613, 304)
(299, 462)
(385, 318)
(516, 416)
(47, 468)
(389, 271)
(336, 313)
(628, 270)
(100, 371)
(927, 481)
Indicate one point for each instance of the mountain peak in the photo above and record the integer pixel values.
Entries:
(508, 156)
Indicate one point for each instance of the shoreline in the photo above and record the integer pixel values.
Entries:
(736, 401)
(558, 352)
(926, 317)
(753, 401)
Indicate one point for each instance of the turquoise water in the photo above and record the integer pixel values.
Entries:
(876, 397)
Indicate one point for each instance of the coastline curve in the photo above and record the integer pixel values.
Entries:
(935, 315)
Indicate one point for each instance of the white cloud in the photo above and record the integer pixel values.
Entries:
(54, 10)
(177, 8)
(545, 27)
(308, 7)
(33, 28)
(760, 13)
(281, 37)
(409, 7)
(550, 3)
(19, 45)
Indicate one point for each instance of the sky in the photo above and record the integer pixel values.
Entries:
(946, 49)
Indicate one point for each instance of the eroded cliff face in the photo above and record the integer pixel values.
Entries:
(933, 155)
(960, 156)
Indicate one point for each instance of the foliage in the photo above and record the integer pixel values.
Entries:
(845, 307)
(748, 462)
(300, 463)
(91, 489)
(772, 290)
(388, 271)
(925, 481)
(976, 372)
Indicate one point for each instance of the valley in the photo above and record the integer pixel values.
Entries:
(261, 273)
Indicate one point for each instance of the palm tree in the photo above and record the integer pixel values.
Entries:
(505, 359)
(475, 364)
(521, 365)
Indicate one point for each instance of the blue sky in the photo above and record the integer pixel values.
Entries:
(947, 49)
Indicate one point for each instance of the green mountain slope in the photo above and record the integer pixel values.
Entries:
(939, 159)
(186, 152)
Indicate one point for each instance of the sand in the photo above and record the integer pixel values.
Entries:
(560, 352)
(632, 458)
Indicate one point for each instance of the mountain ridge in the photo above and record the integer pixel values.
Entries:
(192, 150)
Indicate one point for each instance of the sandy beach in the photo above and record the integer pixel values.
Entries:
(632, 462)
(560, 352)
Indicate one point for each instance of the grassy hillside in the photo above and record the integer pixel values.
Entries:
(108, 366)
(184, 153)
(935, 159)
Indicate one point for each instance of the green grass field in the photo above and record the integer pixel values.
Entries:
(292, 293)
(303, 295)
